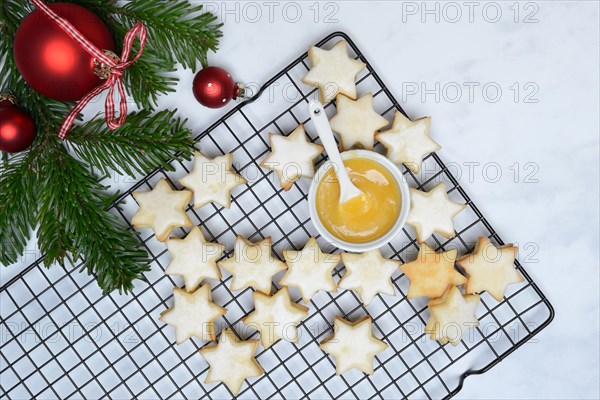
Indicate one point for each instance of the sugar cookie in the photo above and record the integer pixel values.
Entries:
(368, 274)
(490, 268)
(252, 265)
(432, 212)
(309, 270)
(292, 157)
(212, 180)
(194, 259)
(407, 141)
(451, 316)
(193, 314)
(275, 317)
(431, 273)
(356, 121)
(353, 345)
(231, 361)
(333, 71)
(162, 209)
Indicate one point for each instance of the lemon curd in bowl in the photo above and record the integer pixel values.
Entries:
(369, 220)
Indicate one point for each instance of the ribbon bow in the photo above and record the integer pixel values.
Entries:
(113, 66)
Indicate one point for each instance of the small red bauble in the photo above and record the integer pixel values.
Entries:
(17, 129)
(53, 63)
(213, 87)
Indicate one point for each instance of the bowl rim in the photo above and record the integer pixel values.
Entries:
(402, 215)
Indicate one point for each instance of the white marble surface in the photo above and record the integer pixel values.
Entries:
(550, 128)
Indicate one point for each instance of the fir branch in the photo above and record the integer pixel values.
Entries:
(148, 78)
(175, 28)
(11, 14)
(145, 142)
(174, 31)
(18, 178)
(72, 221)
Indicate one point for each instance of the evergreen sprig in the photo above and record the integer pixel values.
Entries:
(145, 142)
(52, 185)
(74, 218)
(18, 204)
(181, 31)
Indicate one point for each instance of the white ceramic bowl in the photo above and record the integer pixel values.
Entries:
(377, 243)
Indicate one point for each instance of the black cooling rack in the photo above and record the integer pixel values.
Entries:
(62, 338)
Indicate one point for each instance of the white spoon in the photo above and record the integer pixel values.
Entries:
(347, 189)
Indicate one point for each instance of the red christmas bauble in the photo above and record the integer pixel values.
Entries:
(17, 129)
(213, 87)
(53, 63)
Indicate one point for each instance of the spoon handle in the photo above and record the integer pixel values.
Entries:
(321, 123)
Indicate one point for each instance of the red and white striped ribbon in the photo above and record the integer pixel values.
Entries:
(116, 75)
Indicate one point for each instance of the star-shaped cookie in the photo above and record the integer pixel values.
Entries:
(162, 209)
(275, 317)
(408, 142)
(451, 316)
(368, 274)
(309, 270)
(353, 345)
(212, 180)
(356, 121)
(333, 71)
(292, 157)
(194, 259)
(432, 212)
(252, 265)
(193, 314)
(490, 268)
(231, 361)
(431, 273)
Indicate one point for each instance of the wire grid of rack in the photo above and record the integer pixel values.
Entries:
(62, 338)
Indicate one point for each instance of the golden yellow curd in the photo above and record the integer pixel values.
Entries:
(365, 218)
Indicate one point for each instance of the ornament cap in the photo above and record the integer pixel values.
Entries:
(242, 92)
(102, 70)
(7, 96)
